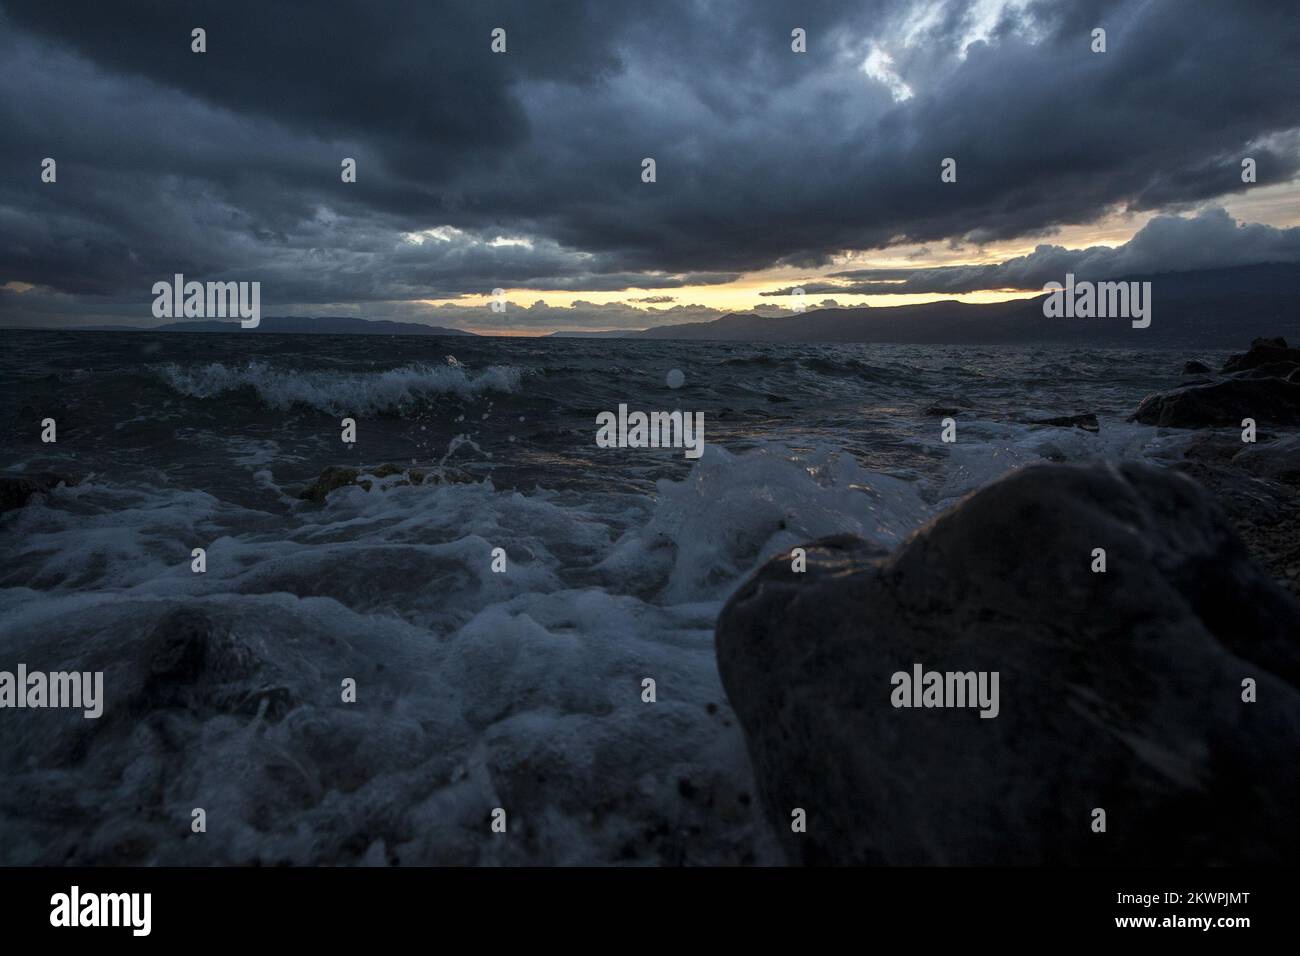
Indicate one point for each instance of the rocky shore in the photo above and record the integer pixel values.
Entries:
(1141, 624)
(1155, 684)
(1257, 484)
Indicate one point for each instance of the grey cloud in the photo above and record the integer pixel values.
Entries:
(225, 165)
(1209, 240)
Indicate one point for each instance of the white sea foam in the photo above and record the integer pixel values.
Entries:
(475, 689)
(339, 392)
(520, 690)
(984, 451)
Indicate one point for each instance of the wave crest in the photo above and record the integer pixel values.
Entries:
(341, 393)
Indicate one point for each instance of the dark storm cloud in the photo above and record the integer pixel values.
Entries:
(226, 164)
(1210, 240)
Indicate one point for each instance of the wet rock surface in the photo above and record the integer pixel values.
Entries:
(1269, 401)
(1119, 690)
(1265, 352)
(1262, 386)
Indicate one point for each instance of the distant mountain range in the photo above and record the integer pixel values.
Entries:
(326, 324)
(1213, 307)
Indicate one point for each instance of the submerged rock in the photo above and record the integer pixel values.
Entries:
(331, 479)
(1270, 401)
(188, 661)
(1195, 368)
(1086, 421)
(950, 405)
(334, 477)
(1119, 690)
(16, 490)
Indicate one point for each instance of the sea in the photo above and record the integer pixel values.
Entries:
(527, 632)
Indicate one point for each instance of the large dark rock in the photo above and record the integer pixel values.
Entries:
(1195, 368)
(1269, 401)
(1264, 352)
(1119, 690)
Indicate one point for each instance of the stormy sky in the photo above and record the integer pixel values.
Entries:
(522, 170)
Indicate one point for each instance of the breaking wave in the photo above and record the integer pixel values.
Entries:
(339, 392)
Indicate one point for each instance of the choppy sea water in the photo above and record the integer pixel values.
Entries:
(475, 690)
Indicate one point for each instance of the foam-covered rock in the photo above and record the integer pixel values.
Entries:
(335, 477)
(1119, 690)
